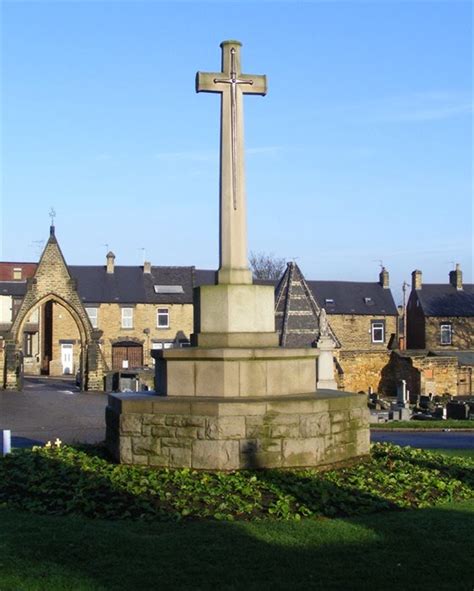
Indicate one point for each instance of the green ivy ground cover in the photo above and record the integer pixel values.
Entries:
(65, 480)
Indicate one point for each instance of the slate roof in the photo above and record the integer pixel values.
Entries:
(13, 288)
(350, 298)
(438, 299)
(297, 315)
(129, 285)
(205, 277)
(463, 357)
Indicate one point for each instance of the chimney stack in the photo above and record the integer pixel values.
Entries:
(416, 279)
(384, 278)
(110, 262)
(455, 277)
(147, 267)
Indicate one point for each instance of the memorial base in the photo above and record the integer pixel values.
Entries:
(218, 433)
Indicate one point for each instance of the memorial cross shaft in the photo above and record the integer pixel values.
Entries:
(232, 85)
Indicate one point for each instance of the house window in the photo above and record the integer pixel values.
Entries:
(127, 317)
(446, 334)
(93, 316)
(163, 318)
(28, 345)
(16, 273)
(377, 329)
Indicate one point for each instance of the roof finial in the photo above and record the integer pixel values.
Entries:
(52, 215)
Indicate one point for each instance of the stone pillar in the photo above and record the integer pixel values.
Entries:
(94, 367)
(13, 366)
(326, 379)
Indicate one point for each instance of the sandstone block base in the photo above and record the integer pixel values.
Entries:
(208, 433)
(235, 372)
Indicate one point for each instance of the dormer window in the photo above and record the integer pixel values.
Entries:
(17, 273)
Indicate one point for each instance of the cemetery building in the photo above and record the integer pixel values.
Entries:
(362, 317)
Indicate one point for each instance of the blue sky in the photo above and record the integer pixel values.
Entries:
(361, 151)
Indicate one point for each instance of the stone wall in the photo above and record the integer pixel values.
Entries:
(229, 434)
(423, 373)
(462, 333)
(363, 370)
(354, 331)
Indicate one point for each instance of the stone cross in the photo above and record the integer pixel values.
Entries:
(232, 85)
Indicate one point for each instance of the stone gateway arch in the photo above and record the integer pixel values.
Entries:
(52, 282)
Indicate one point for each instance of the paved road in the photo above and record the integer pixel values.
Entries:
(430, 440)
(47, 409)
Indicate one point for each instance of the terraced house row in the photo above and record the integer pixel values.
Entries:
(102, 320)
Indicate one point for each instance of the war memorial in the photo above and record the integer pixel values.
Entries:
(236, 399)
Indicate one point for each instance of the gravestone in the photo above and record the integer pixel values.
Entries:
(403, 394)
(235, 399)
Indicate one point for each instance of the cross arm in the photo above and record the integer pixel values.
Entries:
(258, 86)
(205, 81)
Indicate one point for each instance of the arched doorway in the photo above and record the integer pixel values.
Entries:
(51, 341)
(52, 290)
(65, 344)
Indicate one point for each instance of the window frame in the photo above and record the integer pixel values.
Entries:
(162, 313)
(94, 320)
(377, 325)
(449, 326)
(127, 321)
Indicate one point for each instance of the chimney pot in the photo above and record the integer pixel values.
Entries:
(147, 267)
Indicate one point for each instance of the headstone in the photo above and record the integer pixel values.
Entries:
(5, 442)
(457, 410)
(403, 395)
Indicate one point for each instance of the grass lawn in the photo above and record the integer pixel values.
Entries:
(405, 550)
(422, 425)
